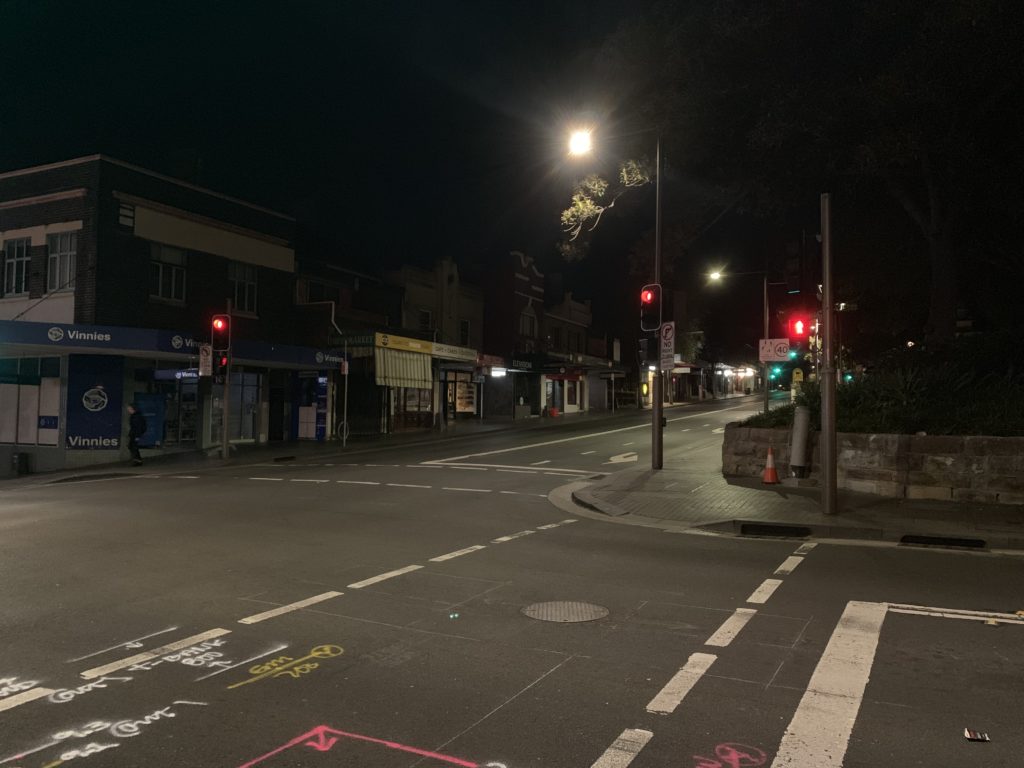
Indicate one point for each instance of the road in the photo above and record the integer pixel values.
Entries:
(388, 609)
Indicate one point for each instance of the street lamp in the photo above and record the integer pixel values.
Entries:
(580, 143)
(716, 276)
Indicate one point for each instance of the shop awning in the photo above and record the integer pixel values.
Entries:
(398, 368)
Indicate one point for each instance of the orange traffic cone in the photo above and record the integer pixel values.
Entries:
(770, 476)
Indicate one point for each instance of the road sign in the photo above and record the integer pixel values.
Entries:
(667, 334)
(798, 375)
(773, 350)
(205, 359)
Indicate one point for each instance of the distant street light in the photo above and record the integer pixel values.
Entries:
(715, 275)
(579, 142)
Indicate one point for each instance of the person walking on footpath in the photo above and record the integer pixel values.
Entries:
(136, 429)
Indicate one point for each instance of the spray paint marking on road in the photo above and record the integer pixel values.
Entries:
(624, 749)
(161, 651)
(241, 663)
(763, 592)
(134, 643)
(672, 695)
(384, 576)
(731, 627)
(256, 618)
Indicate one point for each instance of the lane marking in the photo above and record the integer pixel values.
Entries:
(23, 698)
(566, 522)
(185, 477)
(789, 565)
(241, 663)
(278, 479)
(559, 474)
(731, 627)
(762, 593)
(685, 430)
(258, 617)
(382, 465)
(624, 749)
(177, 645)
(408, 485)
(468, 490)
(537, 463)
(520, 471)
(804, 548)
(672, 695)
(587, 453)
(424, 466)
(955, 613)
(819, 732)
(306, 480)
(457, 553)
(548, 526)
(705, 425)
(384, 576)
(528, 468)
(502, 539)
(629, 443)
(357, 482)
(469, 469)
(126, 644)
(510, 493)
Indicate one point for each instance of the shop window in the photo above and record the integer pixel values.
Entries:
(243, 279)
(16, 261)
(60, 265)
(30, 400)
(166, 272)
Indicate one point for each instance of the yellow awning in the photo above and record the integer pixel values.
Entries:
(398, 368)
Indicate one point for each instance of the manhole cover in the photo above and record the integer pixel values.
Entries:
(565, 611)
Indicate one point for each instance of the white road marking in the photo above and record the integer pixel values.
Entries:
(762, 593)
(622, 458)
(624, 749)
(126, 644)
(804, 548)
(820, 729)
(511, 536)
(382, 465)
(572, 520)
(718, 430)
(23, 698)
(685, 430)
(731, 627)
(520, 471)
(548, 526)
(955, 613)
(559, 474)
(587, 453)
(468, 490)
(177, 645)
(408, 485)
(672, 695)
(306, 480)
(242, 663)
(510, 493)
(469, 469)
(185, 477)
(705, 425)
(536, 463)
(527, 468)
(788, 565)
(629, 443)
(357, 482)
(457, 553)
(424, 466)
(384, 576)
(257, 618)
(278, 479)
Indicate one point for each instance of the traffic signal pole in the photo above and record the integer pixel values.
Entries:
(765, 364)
(657, 442)
(225, 446)
(829, 496)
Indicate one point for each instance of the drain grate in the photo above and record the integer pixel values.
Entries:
(565, 611)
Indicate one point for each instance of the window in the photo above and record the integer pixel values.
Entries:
(556, 338)
(60, 267)
(126, 216)
(244, 278)
(528, 324)
(464, 333)
(426, 320)
(166, 272)
(16, 260)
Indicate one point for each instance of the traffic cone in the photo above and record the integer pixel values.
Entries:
(770, 476)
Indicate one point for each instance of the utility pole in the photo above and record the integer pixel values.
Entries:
(829, 496)
(656, 406)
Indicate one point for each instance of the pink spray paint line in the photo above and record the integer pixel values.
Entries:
(322, 738)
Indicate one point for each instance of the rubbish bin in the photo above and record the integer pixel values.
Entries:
(19, 463)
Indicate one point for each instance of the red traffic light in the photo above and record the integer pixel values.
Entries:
(220, 333)
(799, 327)
(219, 323)
(646, 296)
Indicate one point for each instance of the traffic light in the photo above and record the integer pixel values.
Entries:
(220, 333)
(799, 327)
(650, 307)
(643, 351)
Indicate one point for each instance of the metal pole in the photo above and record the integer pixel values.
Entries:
(225, 443)
(829, 499)
(656, 432)
(765, 364)
(344, 407)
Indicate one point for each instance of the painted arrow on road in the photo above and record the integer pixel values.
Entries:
(622, 458)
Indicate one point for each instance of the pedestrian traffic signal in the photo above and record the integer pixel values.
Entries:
(220, 333)
(799, 327)
(221, 360)
(650, 307)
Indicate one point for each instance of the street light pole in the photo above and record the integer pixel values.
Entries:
(657, 441)
(829, 496)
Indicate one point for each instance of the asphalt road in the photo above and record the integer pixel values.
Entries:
(368, 610)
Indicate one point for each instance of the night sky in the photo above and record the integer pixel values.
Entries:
(397, 131)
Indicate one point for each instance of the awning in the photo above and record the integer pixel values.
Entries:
(398, 368)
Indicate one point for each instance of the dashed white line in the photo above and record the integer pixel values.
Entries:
(408, 485)
(624, 749)
(273, 479)
(571, 520)
(384, 576)
(629, 443)
(185, 477)
(457, 553)
(804, 548)
(548, 526)
(177, 645)
(537, 463)
(502, 539)
(520, 471)
(306, 480)
(467, 490)
(705, 425)
(788, 565)
(256, 618)
(23, 698)
(820, 729)
(510, 493)
(763, 592)
(587, 453)
(685, 430)
(676, 689)
(382, 465)
(357, 482)
(425, 466)
(471, 469)
(731, 627)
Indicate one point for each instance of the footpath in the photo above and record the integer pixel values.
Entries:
(690, 494)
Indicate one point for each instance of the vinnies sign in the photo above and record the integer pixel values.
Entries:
(95, 386)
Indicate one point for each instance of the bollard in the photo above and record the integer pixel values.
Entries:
(799, 463)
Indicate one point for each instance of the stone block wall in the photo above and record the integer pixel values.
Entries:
(940, 467)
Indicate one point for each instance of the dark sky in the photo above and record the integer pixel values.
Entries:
(400, 131)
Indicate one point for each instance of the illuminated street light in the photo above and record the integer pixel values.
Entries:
(715, 275)
(579, 142)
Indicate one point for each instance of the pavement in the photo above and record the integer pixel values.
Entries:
(687, 495)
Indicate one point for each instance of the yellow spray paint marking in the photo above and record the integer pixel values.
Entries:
(286, 666)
